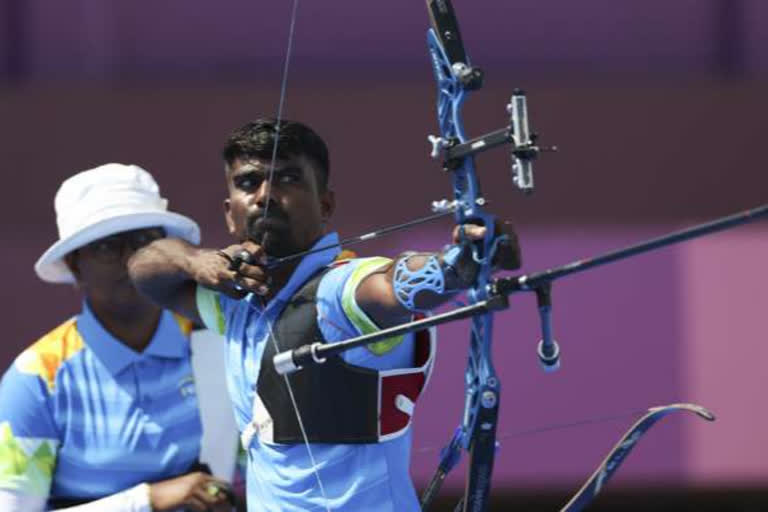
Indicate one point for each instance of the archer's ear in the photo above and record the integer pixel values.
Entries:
(228, 217)
(327, 204)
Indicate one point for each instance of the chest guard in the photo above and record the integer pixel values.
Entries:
(339, 402)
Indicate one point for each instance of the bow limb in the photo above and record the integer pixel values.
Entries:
(619, 452)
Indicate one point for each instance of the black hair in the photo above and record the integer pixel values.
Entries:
(256, 139)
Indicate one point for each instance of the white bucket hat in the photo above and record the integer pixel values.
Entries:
(101, 202)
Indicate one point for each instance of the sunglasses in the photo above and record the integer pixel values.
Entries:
(112, 248)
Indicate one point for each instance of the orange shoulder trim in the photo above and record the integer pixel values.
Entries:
(44, 357)
(185, 324)
(343, 257)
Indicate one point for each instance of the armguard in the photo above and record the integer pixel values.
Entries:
(408, 283)
(430, 277)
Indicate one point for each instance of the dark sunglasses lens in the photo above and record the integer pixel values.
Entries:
(107, 249)
(111, 249)
(143, 237)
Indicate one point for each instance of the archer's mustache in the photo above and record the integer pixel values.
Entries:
(258, 224)
(273, 214)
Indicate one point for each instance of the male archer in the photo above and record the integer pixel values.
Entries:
(335, 436)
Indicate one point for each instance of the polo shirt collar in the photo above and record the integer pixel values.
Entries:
(168, 341)
(310, 264)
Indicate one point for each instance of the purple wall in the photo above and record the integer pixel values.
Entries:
(194, 38)
(725, 335)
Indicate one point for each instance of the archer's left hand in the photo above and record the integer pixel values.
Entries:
(508, 251)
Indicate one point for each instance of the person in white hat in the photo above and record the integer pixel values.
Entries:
(102, 412)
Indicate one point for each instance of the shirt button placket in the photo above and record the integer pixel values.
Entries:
(142, 370)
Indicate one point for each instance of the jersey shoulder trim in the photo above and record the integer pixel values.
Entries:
(44, 357)
(185, 324)
(209, 309)
(355, 313)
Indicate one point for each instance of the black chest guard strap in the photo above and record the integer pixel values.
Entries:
(337, 401)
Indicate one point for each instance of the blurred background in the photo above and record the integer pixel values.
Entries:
(659, 109)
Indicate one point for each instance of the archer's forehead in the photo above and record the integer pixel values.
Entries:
(262, 165)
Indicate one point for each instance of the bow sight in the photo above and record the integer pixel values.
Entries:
(524, 147)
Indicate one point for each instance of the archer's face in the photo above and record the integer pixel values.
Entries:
(296, 208)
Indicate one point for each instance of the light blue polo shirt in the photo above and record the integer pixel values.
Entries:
(84, 416)
(280, 478)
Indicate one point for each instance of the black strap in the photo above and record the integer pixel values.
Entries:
(338, 401)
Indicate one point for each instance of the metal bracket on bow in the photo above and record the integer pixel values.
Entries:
(524, 144)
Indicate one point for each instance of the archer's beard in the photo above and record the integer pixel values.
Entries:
(277, 243)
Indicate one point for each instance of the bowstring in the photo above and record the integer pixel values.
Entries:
(270, 175)
(549, 428)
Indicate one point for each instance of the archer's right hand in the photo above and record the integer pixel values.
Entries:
(232, 271)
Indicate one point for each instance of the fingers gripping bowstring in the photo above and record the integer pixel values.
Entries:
(270, 174)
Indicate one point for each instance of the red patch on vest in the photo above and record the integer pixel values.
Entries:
(393, 419)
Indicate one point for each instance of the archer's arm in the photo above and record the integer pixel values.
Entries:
(378, 296)
(169, 270)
